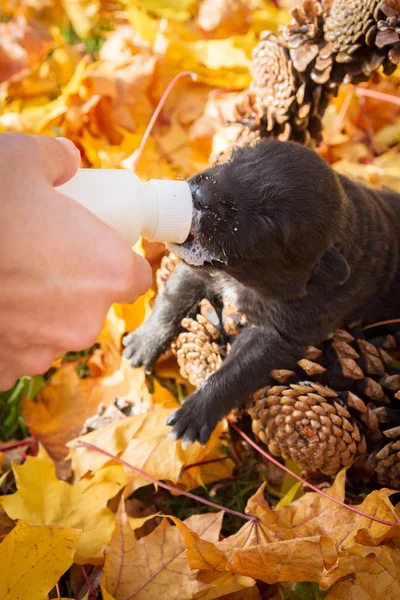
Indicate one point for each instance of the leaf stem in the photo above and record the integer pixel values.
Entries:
(303, 481)
(379, 323)
(25, 442)
(170, 488)
(378, 95)
(157, 111)
(89, 583)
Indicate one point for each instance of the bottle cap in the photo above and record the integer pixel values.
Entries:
(175, 209)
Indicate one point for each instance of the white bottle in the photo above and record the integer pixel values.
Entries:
(160, 210)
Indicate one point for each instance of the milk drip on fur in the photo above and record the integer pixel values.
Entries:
(160, 210)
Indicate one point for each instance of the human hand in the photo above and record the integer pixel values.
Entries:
(61, 268)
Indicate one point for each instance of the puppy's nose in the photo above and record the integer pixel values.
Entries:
(201, 199)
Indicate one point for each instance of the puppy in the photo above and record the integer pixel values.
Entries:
(296, 247)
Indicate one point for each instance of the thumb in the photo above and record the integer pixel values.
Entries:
(61, 158)
(137, 281)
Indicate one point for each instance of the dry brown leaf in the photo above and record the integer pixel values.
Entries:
(313, 539)
(146, 568)
(209, 585)
(376, 575)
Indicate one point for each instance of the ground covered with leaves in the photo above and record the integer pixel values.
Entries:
(95, 500)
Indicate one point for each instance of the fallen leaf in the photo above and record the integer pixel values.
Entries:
(78, 15)
(67, 401)
(143, 569)
(174, 9)
(312, 539)
(33, 559)
(105, 594)
(22, 44)
(377, 575)
(6, 524)
(224, 18)
(62, 407)
(42, 499)
(143, 441)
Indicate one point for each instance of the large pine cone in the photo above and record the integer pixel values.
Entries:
(310, 424)
(352, 393)
(278, 102)
(389, 29)
(329, 42)
(201, 349)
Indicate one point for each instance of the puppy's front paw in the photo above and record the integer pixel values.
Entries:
(142, 348)
(194, 421)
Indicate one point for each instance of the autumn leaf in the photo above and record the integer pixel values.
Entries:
(223, 18)
(142, 569)
(62, 407)
(377, 575)
(143, 441)
(312, 539)
(42, 499)
(22, 44)
(6, 524)
(174, 9)
(33, 559)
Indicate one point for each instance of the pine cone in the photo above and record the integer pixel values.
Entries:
(309, 424)
(387, 464)
(304, 36)
(389, 29)
(329, 42)
(277, 102)
(349, 25)
(164, 272)
(201, 349)
(365, 406)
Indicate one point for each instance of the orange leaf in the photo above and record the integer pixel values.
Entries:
(156, 563)
(22, 44)
(143, 441)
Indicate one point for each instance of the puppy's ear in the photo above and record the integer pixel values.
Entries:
(333, 269)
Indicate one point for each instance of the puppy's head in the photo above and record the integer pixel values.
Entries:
(266, 217)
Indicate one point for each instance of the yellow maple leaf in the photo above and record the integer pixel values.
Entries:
(143, 441)
(33, 559)
(42, 499)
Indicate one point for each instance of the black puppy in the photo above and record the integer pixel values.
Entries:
(297, 248)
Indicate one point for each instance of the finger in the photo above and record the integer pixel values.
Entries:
(7, 380)
(61, 158)
(36, 360)
(137, 281)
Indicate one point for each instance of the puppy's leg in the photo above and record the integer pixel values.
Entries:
(184, 288)
(247, 368)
